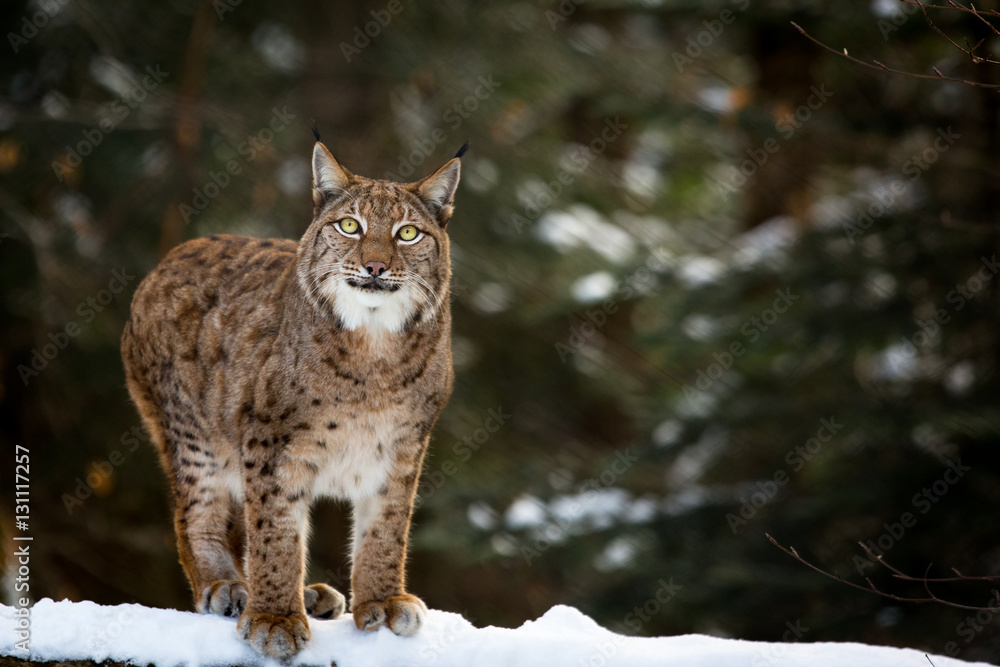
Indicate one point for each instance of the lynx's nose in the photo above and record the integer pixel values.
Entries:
(375, 268)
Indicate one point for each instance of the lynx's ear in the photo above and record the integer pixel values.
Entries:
(438, 189)
(329, 177)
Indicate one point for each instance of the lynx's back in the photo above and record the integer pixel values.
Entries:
(192, 312)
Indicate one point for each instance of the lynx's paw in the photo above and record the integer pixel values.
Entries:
(224, 598)
(322, 601)
(273, 635)
(404, 614)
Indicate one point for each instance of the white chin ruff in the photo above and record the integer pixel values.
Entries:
(377, 311)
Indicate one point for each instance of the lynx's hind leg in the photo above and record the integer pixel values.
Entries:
(225, 597)
(323, 601)
(208, 520)
(228, 597)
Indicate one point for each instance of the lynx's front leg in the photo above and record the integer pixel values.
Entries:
(274, 622)
(381, 526)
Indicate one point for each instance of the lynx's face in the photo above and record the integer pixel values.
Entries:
(377, 251)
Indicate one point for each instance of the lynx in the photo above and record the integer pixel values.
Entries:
(270, 373)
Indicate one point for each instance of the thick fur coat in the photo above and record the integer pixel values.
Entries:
(270, 373)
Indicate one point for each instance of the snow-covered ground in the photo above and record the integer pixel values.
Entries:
(563, 636)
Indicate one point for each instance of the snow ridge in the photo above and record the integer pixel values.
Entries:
(563, 636)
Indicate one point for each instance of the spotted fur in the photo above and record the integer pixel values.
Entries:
(270, 373)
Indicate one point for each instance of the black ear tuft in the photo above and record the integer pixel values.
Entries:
(464, 149)
(312, 126)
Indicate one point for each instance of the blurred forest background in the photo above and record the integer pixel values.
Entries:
(711, 282)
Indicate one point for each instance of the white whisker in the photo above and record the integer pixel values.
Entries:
(320, 276)
(424, 288)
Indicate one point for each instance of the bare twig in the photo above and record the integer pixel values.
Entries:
(876, 65)
(968, 50)
(954, 6)
(872, 588)
(905, 577)
(979, 16)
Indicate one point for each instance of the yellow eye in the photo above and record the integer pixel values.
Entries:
(348, 225)
(407, 233)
